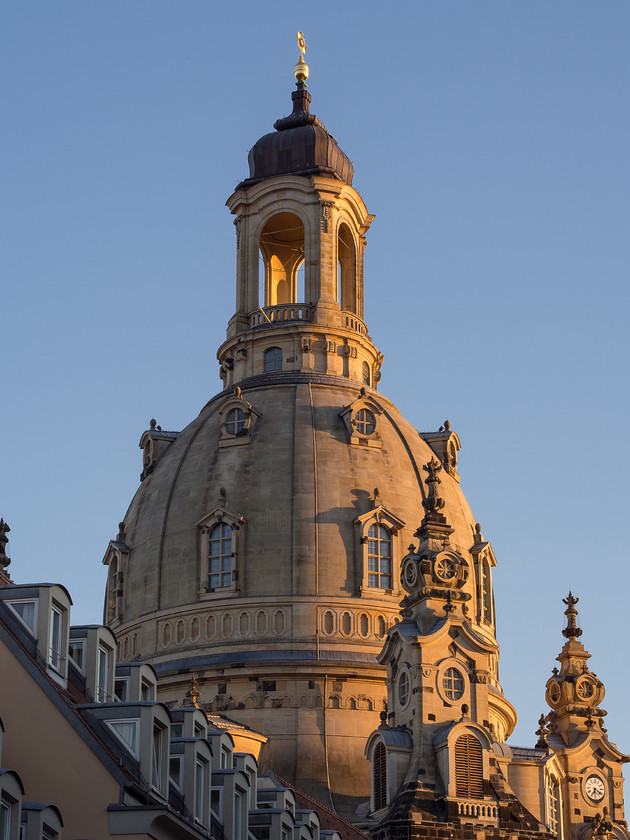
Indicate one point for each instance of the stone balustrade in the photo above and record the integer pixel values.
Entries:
(478, 811)
(281, 312)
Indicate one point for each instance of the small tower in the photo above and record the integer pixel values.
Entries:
(592, 781)
(300, 234)
(439, 756)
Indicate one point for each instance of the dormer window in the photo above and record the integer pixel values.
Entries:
(365, 421)
(220, 557)
(76, 650)
(55, 654)
(238, 420)
(360, 419)
(219, 551)
(26, 612)
(103, 688)
(378, 533)
(379, 557)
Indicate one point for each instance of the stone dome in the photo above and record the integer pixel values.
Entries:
(298, 486)
(301, 491)
(262, 553)
(300, 145)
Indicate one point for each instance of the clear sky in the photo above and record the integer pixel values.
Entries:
(491, 140)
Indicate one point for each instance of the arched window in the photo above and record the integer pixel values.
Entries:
(367, 378)
(468, 768)
(282, 256)
(379, 557)
(346, 278)
(273, 359)
(379, 776)
(486, 592)
(553, 805)
(220, 556)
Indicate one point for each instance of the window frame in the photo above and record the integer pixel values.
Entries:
(243, 435)
(219, 516)
(379, 516)
(32, 630)
(277, 358)
(354, 422)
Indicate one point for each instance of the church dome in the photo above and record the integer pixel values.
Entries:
(300, 145)
(271, 542)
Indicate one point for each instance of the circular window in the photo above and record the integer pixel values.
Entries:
(236, 421)
(403, 688)
(410, 573)
(445, 568)
(584, 689)
(453, 684)
(365, 422)
(554, 692)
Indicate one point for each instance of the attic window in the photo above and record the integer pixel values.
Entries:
(55, 655)
(26, 612)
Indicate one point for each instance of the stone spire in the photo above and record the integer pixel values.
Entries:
(574, 692)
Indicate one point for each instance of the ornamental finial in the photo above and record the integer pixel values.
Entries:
(4, 530)
(571, 630)
(193, 694)
(433, 502)
(301, 68)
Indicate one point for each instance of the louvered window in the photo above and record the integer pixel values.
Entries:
(468, 768)
(380, 777)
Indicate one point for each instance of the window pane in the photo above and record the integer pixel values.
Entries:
(55, 638)
(127, 730)
(26, 611)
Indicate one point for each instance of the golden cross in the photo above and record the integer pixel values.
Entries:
(301, 45)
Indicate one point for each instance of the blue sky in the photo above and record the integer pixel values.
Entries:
(491, 141)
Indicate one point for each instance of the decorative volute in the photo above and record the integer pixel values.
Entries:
(573, 693)
(300, 237)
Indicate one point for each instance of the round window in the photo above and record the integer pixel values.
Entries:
(365, 422)
(445, 568)
(554, 692)
(403, 688)
(453, 684)
(584, 689)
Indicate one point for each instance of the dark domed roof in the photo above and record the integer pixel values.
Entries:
(300, 145)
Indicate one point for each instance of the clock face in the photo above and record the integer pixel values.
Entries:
(594, 788)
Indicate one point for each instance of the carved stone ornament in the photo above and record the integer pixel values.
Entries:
(410, 574)
(432, 502)
(4, 530)
(325, 214)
